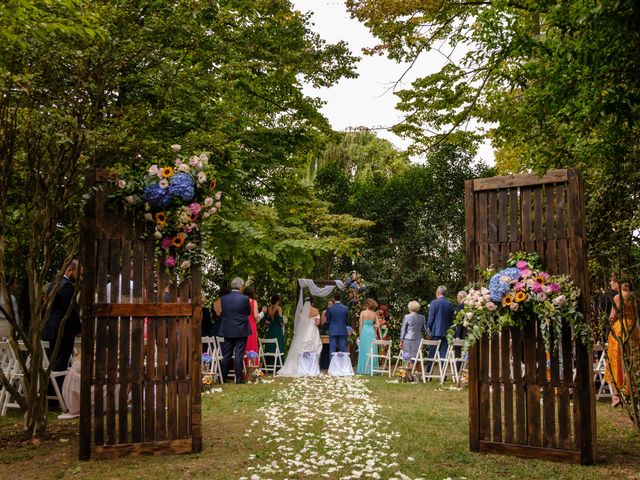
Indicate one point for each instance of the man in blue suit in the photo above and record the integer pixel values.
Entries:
(235, 328)
(337, 321)
(440, 320)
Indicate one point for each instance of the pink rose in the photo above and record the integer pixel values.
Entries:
(525, 273)
(166, 243)
(542, 296)
(521, 264)
(491, 306)
(170, 261)
(195, 208)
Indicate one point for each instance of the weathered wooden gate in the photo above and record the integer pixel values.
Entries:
(518, 403)
(140, 390)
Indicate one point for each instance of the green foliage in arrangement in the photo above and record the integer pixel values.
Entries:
(555, 82)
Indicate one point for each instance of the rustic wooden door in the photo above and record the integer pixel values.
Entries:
(140, 361)
(520, 402)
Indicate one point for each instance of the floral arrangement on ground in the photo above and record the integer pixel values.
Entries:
(175, 197)
(518, 294)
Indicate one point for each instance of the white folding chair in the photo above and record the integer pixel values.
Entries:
(422, 357)
(600, 368)
(454, 361)
(15, 376)
(213, 368)
(398, 358)
(263, 355)
(52, 377)
(384, 366)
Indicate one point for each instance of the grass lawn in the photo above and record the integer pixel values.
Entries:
(433, 423)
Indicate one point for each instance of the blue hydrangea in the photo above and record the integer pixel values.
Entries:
(497, 288)
(182, 186)
(157, 196)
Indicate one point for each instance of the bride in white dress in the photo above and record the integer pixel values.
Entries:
(306, 339)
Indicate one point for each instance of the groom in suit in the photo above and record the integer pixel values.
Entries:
(441, 315)
(337, 321)
(235, 328)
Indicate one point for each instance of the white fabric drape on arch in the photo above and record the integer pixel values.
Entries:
(316, 291)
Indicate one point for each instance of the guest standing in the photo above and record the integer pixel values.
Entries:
(217, 310)
(235, 328)
(624, 330)
(62, 301)
(368, 326)
(275, 328)
(440, 320)
(461, 331)
(252, 341)
(382, 332)
(411, 330)
(325, 356)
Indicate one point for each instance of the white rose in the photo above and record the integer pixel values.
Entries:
(186, 264)
(213, 210)
(183, 167)
(469, 315)
(206, 215)
(164, 183)
(130, 199)
(153, 170)
(122, 183)
(514, 306)
(484, 291)
(208, 202)
(218, 195)
(176, 148)
(157, 234)
(218, 205)
(204, 158)
(190, 246)
(202, 177)
(560, 300)
(148, 216)
(491, 306)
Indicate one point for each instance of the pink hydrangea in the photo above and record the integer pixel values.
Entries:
(166, 243)
(170, 261)
(195, 208)
(521, 264)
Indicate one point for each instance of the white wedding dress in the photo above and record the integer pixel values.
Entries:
(306, 340)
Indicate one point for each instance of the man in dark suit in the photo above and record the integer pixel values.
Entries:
(61, 303)
(440, 320)
(234, 327)
(337, 321)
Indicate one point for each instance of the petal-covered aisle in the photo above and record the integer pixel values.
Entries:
(324, 427)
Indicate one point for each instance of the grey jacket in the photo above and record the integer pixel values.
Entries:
(412, 327)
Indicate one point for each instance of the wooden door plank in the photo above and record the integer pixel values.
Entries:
(496, 397)
(505, 371)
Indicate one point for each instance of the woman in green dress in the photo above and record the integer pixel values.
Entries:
(275, 329)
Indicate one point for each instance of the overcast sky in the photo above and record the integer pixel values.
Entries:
(366, 101)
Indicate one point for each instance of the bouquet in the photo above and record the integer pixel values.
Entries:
(517, 294)
(258, 375)
(356, 287)
(175, 198)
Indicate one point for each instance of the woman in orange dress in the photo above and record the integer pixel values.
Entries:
(624, 329)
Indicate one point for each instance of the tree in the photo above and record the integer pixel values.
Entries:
(97, 83)
(556, 81)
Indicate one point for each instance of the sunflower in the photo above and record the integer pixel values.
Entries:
(161, 218)
(521, 296)
(212, 184)
(539, 280)
(507, 300)
(167, 172)
(177, 241)
(192, 217)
